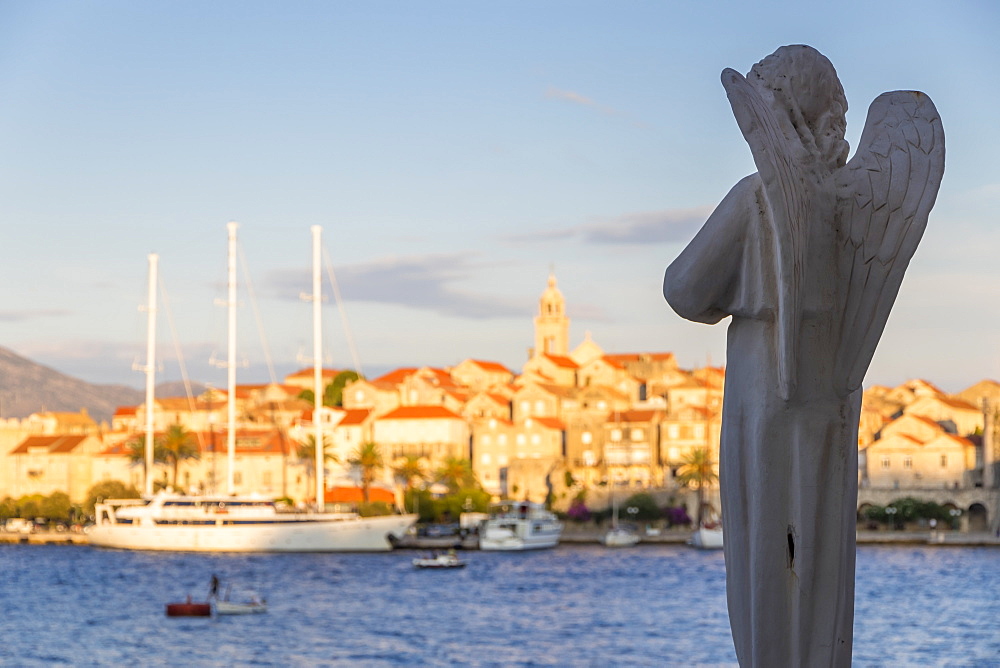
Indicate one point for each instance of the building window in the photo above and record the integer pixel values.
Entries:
(637, 435)
(586, 438)
(944, 461)
(885, 461)
(539, 407)
(486, 459)
(616, 435)
(535, 439)
(526, 407)
(237, 478)
(520, 439)
(907, 462)
(588, 458)
(486, 439)
(502, 460)
(602, 405)
(502, 439)
(673, 454)
(673, 431)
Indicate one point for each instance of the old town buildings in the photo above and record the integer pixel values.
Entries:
(570, 419)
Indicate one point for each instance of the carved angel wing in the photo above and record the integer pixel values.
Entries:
(777, 152)
(886, 193)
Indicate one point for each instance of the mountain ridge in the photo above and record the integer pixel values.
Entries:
(28, 387)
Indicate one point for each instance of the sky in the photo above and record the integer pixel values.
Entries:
(454, 153)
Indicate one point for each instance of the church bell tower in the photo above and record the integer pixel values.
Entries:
(551, 323)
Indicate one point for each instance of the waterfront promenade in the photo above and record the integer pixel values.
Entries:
(593, 535)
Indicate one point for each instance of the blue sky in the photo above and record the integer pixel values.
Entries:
(453, 153)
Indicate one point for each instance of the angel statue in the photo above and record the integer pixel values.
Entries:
(807, 256)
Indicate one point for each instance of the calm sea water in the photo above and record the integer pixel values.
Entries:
(572, 606)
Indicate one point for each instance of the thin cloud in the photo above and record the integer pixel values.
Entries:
(577, 98)
(417, 281)
(25, 316)
(646, 227)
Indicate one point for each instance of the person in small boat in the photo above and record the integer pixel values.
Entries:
(213, 589)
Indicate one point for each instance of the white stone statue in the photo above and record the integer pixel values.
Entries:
(807, 256)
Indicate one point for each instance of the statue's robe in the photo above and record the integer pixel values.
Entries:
(788, 469)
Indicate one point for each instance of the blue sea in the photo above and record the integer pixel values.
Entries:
(655, 605)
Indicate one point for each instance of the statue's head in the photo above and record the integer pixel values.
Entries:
(803, 83)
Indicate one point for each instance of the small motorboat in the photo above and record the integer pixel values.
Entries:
(620, 537)
(249, 607)
(189, 608)
(445, 560)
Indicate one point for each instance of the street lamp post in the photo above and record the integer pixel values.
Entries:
(891, 512)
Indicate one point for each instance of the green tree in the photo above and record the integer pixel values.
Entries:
(333, 393)
(697, 471)
(30, 506)
(108, 489)
(177, 445)
(456, 473)
(368, 459)
(8, 508)
(645, 506)
(56, 506)
(410, 469)
(306, 454)
(137, 453)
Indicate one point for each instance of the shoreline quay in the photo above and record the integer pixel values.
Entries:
(935, 538)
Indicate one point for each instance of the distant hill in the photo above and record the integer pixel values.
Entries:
(27, 387)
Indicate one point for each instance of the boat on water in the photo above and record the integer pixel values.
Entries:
(171, 522)
(189, 608)
(250, 607)
(231, 523)
(444, 560)
(706, 538)
(519, 525)
(618, 535)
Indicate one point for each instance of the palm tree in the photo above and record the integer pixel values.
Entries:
(368, 458)
(178, 444)
(456, 473)
(410, 468)
(137, 453)
(697, 470)
(306, 452)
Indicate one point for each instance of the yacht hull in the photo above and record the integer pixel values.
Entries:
(365, 534)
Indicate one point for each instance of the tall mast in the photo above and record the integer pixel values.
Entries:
(317, 296)
(231, 364)
(150, 370)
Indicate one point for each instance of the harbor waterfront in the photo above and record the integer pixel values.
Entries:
(575, 605)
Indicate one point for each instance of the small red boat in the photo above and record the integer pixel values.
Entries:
(189, 609)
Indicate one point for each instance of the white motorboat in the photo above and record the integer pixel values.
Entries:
(444, 560)
(519, 525)
(620, 537)
(250, 607)
(706, 538)
(170, 522)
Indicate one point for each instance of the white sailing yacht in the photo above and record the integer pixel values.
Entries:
(618, 536)
(229, 523)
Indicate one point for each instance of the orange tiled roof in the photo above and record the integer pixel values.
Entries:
(550, 422)
(960, 404)
(636, 357)
(637, 415)
(396, 376)
(354, 416)
(309, 371)
(420, 413)
(124, 411)
(562, 361)
(490, 366)
(52, 444)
